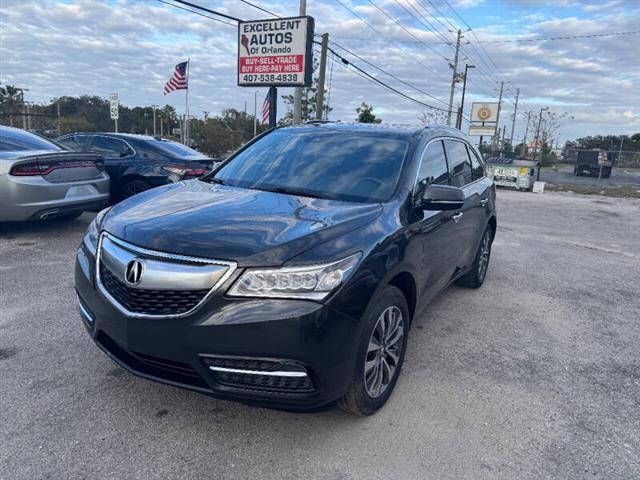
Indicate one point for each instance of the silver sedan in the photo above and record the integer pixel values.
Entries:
(40, 180)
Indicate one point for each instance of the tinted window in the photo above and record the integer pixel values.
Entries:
(476, 165)
(343, 165)
(460, 170)
(433, 167)
(74, 142)
(12, 140)
(110, 147)
(175, 149)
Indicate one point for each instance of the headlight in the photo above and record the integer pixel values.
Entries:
(93, 232)
(311, 282)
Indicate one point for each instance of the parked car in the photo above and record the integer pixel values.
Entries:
(290, 276)
(137, 163)
(41, 180)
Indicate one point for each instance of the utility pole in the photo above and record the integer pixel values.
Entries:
(297, 94)
(153, 107)
(537, 139)
(255, 113)
(321, 77)
(515, 112)
(58, 122)
(526, 131)
(464, 89)
(454, 77)
(496, 136)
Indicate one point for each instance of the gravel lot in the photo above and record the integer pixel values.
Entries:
(535, 376)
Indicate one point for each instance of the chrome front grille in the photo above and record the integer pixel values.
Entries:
(169, 285)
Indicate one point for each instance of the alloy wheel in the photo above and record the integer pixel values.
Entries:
(383, 352)
(485, 252)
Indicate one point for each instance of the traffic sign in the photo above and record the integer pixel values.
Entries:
(114, 103)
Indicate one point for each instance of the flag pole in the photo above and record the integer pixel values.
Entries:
(186, 106)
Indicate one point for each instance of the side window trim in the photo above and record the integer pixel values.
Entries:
(467, 146)
(472, 151)
(422, 154)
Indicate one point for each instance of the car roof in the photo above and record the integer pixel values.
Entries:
(393, 129)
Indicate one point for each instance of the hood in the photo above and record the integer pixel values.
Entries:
(251, 227)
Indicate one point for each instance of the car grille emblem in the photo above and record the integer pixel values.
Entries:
(133, 274)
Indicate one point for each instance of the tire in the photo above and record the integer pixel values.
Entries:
(365, 395)
(132, 188)
(476, 276)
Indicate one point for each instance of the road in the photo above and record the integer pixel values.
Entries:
(534, 376)
(620, 177)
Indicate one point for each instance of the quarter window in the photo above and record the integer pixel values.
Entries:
(74, 142)
(460, 170)
(433, 166)
(476, 164)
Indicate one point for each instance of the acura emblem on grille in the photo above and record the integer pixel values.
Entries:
(133, 273)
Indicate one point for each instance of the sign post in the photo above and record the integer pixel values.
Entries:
(114, 104)
(275, 53)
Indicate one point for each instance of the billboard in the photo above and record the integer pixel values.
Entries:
(484, 112)
(275, 52)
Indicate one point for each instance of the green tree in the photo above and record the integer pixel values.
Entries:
(366, 115)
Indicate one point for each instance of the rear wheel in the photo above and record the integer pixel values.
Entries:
(477, 274)
(383, 342)
(133, 187)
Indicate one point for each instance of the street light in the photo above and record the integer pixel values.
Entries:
(464, 89)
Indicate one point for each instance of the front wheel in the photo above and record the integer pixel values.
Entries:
(383, 342)
(477, 274)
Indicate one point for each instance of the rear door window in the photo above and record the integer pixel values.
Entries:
(110, 148)
(460, 170)
(433, 166)
(76, 143)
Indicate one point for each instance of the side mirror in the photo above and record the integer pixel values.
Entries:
(442, 197)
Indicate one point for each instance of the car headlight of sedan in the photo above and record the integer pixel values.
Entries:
(92, 236)
(312, 282)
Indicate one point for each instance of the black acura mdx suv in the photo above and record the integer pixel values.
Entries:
(289, 276)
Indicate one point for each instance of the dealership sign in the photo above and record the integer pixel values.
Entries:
(484, 112)
(275, 52)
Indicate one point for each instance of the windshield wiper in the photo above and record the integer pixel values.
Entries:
(290, 191)
(219, 181)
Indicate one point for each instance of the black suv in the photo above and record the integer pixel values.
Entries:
(290, 276)
(137, 163)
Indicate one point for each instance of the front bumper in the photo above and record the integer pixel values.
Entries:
(205, 350)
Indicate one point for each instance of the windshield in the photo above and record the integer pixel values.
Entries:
(176, 149)
(349, 166)
(18, 140)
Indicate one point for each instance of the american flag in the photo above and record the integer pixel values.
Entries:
(179, 79)
(266, 107)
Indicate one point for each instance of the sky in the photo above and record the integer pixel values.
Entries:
(95, 47)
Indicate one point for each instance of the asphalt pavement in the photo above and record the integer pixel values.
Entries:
(620, 177)
(534, 376)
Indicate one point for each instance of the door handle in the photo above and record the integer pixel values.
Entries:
(456, 218)
(483, 202)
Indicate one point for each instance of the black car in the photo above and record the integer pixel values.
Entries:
(137, 163)
(290, 276)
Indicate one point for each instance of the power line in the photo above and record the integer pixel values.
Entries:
(389, 74)
(569, 37)
(260, 8)
(428, 25)
(406, 30)
(380, 82)
(391, 42)
(197, 13)
(208, 10)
